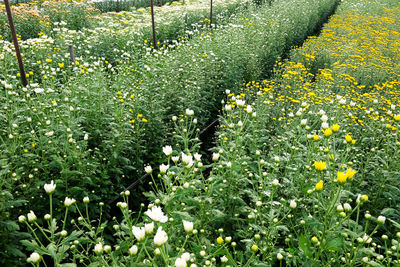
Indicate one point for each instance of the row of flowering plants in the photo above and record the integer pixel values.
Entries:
(291, 181)
(92, 132)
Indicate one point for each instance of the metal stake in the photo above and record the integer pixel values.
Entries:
(15, 41)
(152, 24)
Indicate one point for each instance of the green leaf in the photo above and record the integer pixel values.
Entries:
(305, 245)
(335, 244)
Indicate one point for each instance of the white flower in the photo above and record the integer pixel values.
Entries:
(381, 219)
(98, 248)
(50, 188)
(149, 227)
(180, 262)
(293, 204)
(189, 112)
(188, 226)
(161, 237)
(139, 233)
(107, 248)
(275, 182)
(175, 159)
(86, 200)
(51, 133)
(163, 168)
(34, 257)
(215, 156)
(303, 122)
(224, 259)
(393, 107)
(325, 125)
(38, 90)
(228, 107)
(86, 137)
(148, 169)
(22, 219)
(31, 217)
(69, 201)
(342, 101)
(188, 160)
(258, 203)
(185, 256)
(279, 256)
(133, 250)
(63, 233)
(339, 208)
(240, 123)
(197, 156)
(156, 214)
(240, 103)
(347, 207)
(249, 109)
(167, 150)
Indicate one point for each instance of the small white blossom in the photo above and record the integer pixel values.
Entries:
(167, 150)
(34, 257)
(161, 237)
(139, 233)
(31, 216)
(156, 214)
(188, 226)
(50, 188)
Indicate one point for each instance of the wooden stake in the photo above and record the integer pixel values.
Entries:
(15, 41)
(72, 54)
(152, 24)
(211, 7)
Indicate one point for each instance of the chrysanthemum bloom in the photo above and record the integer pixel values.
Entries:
(328, 132)
(319, 186)
(156, 214)
(139, 233)
(320, 165)
(350, 173)
(348, 138)
(341, 177)
(161, 237)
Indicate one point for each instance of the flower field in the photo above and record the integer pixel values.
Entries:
(106, 160)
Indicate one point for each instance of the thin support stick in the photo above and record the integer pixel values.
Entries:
(15, 41)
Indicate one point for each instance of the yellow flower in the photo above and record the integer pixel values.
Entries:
(49, 60)
(328, 132)
(397, 118)
(316, 137)
(350, 173)
(61, 65)
(341, 177)
(220, 240)
(331, 157)
(348, 138)
(364, 197)
(319, 186)
(314, 239)
(144, 120)
(254, 247)
(335, 127)
(320, 165)
(353, 141)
